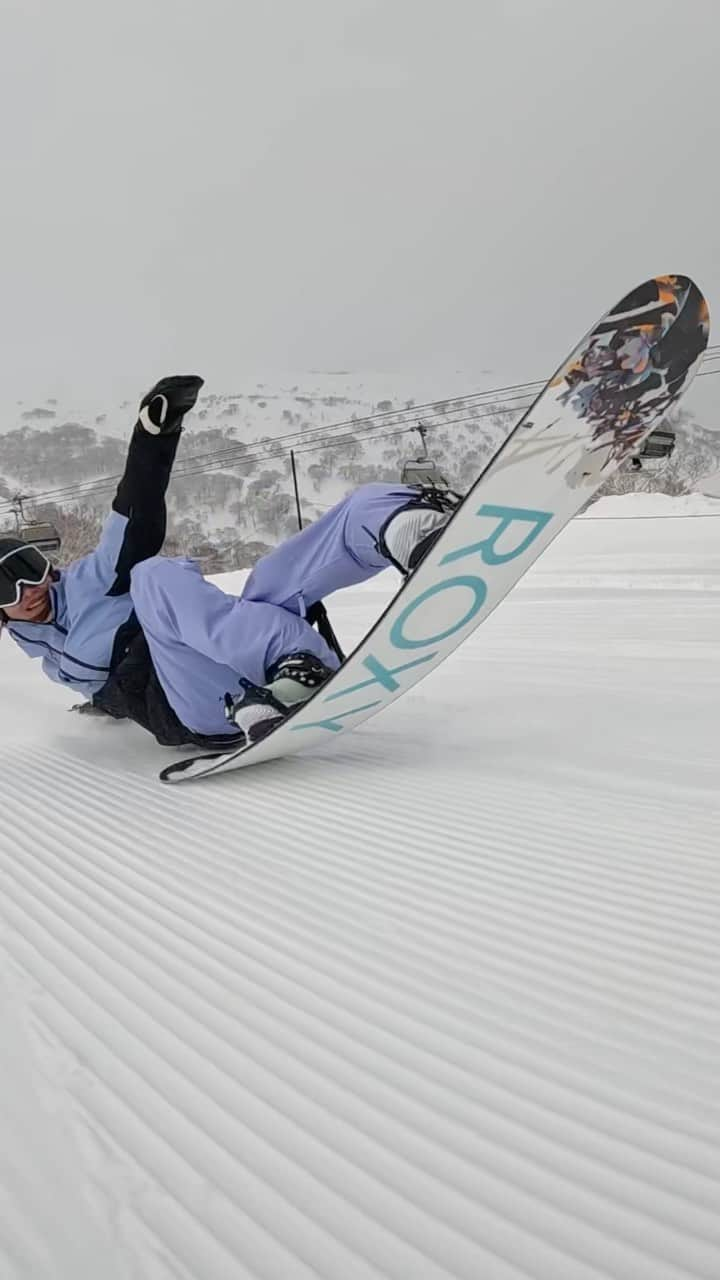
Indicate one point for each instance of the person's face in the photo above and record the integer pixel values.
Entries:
(35, 604)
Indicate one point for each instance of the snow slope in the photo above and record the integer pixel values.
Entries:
(438, 1002)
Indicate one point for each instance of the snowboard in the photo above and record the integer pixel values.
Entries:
(595, 412)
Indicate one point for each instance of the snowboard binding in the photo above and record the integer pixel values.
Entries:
(655, 451)
(258, 709)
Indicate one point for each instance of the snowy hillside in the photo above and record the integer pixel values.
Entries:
(437, 1004)
(232, 496)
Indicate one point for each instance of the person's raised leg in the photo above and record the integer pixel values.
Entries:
(345, 546)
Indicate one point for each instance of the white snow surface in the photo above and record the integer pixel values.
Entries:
(633, 505)
(440, 1000)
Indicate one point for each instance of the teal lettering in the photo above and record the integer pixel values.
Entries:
(333, 723)
(380, 675)
(506, 516)
(479, 590)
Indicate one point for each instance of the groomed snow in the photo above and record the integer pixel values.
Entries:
(441, 1001)
(632, 505)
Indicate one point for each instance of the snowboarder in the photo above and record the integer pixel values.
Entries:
(148, 638)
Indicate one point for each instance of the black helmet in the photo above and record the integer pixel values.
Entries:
(21, 565)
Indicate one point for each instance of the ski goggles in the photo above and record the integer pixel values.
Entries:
(22, 567)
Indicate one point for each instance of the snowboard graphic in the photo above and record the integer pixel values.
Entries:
(617, 385)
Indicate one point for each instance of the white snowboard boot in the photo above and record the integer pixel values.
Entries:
(410, 532)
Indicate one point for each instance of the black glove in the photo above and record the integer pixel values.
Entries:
(87, 709)
(162, 410)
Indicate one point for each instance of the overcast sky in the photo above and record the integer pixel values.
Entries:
(239, 187)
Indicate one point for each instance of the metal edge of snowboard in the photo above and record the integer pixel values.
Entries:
(218, 761)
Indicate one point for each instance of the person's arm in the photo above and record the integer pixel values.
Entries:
(135, 528)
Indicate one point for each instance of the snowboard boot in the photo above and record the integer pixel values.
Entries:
(410, 533)
(258, 709)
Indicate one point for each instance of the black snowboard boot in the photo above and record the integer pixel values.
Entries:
(258, 709)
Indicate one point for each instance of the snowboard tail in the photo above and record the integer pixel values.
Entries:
(595, 411)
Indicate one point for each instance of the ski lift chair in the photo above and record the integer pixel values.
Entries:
(42, 535)
(37, 533)
(423, 471)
